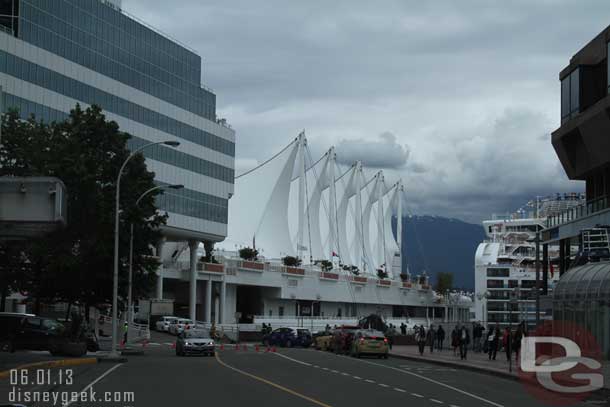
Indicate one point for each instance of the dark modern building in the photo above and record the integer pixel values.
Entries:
(57, 53)
(582, 143)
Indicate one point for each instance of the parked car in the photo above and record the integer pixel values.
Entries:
(27, 331)
(180, 326)
(342, 339)
(322, 340)
(369, 342)
(163, 324)
(194, 341)
(288, 337)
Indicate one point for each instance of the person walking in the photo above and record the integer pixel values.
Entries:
(519, 334)
(464, 342)
(455, 342)
(431, 338)
(440, 337)
(421, 339)
(403, 328)
(492, 341)
(390, 336)
(506, 343)
(125, 331)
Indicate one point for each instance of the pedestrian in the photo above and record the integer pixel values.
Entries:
(403, 328)
(455, 343)
(464, 342)
(440, 337)
(327, 329)
(125, 330)
(492, 342)
(519, 334)
(421, 339)
(390, 336)
(431, 337)
(506, 343)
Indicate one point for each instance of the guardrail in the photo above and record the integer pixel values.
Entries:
(577, 212)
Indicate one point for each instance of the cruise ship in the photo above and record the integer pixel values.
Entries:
(505, 263)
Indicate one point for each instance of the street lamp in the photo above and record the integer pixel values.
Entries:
(130, 279)
(115, 279)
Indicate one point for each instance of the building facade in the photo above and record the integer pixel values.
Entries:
(583, 148)
(57, 53)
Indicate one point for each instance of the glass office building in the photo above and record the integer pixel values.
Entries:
(56, 53)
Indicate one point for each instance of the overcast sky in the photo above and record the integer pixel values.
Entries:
(457, 97)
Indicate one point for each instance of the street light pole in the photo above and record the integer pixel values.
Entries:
(130, 278)
(537, 278)
(115, 278)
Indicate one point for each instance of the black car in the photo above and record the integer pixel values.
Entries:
(27, 331)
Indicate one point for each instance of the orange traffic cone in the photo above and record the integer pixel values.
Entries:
(237, 347)
(273, 349)
(267, 349)
(256, 347)
(174, 345)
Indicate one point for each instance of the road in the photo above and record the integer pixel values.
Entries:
(294, 377)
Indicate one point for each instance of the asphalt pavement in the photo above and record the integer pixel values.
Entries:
(288, 377)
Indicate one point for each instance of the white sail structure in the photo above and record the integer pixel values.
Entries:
(357, 227)
(259, 209)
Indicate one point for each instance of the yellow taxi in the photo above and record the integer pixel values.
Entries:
(323, 340)
(369, 342)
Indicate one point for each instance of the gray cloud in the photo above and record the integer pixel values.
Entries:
(384, 152)
(472, 83)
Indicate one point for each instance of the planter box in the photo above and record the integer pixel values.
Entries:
(214, 267)
(294, 271)
(252, 266)
(384, 283)
(325, 275)
(359, 280)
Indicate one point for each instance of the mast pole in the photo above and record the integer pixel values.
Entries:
(302, 198)
(332, 203)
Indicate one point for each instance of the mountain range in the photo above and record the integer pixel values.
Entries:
(437, 244)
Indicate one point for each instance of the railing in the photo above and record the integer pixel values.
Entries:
(577, 212)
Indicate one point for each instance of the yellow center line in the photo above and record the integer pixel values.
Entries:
(270, 383)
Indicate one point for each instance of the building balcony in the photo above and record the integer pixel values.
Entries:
(570, 222)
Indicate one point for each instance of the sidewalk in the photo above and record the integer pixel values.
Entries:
(476, 361)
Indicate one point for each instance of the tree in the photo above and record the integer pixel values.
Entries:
(444, 282)
(291, 261)
(248, 253)
(85, 151)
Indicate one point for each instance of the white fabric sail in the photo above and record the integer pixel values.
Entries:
(260, 204)
(348, 192)
(369, 256)
(391, 244)
(317, 250)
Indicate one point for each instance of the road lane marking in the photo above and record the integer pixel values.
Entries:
(400, 390)
(335, 371)
(270, 383)
(433, 381)
(383, 385)
(436, 401)
(106, 373)
(369, 381)
(345, 374)
(294, 360)
(357, 377)
(417, 395)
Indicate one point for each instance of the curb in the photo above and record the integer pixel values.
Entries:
(50, 364)
(494, 372)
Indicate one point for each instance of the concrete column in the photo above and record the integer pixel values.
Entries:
(193, 244)
(223, 300)
(208, 301)
(160, 245)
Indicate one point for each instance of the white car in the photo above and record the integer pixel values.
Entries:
(163, 324)
(176, 328)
